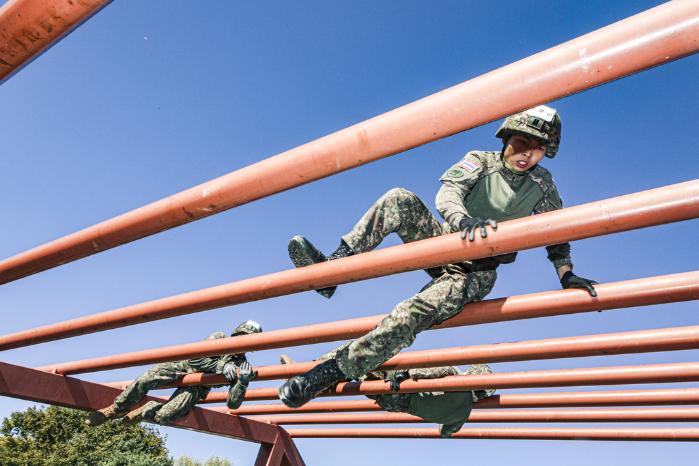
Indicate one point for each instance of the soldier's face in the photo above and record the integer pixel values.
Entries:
(523, 152)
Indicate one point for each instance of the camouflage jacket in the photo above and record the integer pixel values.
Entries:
(215, 365)
(480, 185)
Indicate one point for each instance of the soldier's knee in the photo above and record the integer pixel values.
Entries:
(400, 195)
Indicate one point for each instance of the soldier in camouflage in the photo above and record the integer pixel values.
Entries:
(449, 409)
(234, 367)
(478, 191)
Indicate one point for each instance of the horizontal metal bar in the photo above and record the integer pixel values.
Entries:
(519, 415)
(646, 291)
(654, 37)
(685, 434)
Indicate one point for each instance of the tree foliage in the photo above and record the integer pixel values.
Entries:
(59, 437)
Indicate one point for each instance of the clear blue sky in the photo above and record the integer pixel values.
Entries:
(149, 98)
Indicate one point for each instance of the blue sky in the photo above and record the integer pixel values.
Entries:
(149, 98)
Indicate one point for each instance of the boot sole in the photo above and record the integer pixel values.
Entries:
(302, 254)
(284, 399)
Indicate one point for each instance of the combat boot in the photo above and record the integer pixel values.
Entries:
(478, 369)
(139, 414)
(99, 417)
(302, 253)
(300, 389)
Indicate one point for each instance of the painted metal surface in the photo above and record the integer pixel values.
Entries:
(612, 375)
(651, 38)
(685, 434)
(647, 291)
(520, 416)
(29, 27)
(666, 396)
(641, 341)
(643, 209)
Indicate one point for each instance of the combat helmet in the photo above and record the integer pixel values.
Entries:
(247, 328)
(541, 122)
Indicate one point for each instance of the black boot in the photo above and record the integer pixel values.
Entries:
(303, 253)
(300, 389)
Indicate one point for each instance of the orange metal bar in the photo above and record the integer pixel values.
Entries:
(648, 208)
(615, 375)
(686, 434)
(667, 339)
(667, 396)
(651, 38)
(29, 27)
(519, 415)
(654, 290)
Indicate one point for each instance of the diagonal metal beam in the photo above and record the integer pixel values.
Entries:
(651, 38)
(30, 27)
(32, 385)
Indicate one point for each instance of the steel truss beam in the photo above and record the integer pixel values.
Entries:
(29, 27)
(32, 385)
(648, 39)
(685, 434)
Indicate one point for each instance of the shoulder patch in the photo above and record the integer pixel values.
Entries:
(469, 165)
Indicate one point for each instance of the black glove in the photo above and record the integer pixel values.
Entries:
(245, 373)
(570, 280)
(396, 378)
(469, 225)
(230, 373)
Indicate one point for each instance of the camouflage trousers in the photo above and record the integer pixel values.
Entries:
(179, 404)
(453, 286)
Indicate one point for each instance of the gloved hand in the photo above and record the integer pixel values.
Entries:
(396, 378)
(230, 373)
(245, 373)
(570, 280)
(469, 225)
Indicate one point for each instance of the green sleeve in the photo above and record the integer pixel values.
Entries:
(457, 183)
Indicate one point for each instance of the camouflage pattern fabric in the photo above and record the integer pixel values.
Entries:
(467, 177)
(179, 404)
(402, 212)
(541, 122)
(184, 398)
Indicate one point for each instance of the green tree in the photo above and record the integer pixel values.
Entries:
(59, 437)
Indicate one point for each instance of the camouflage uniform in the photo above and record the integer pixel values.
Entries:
(450, 409)
(478, 186)
(184, 398)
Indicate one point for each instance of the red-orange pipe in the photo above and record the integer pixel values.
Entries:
(643, 209)
(686, 434)
(654, 290)
(615, 375)
(642, 341)
(519, 415)
(651, 38)
(667, 396)
(29, 27)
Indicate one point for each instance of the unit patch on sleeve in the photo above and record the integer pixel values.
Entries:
(469, 166)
